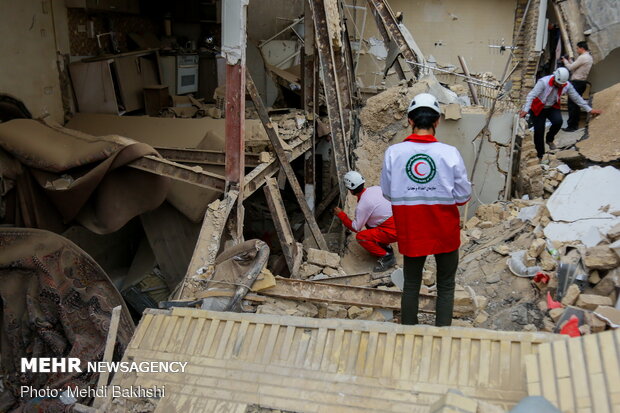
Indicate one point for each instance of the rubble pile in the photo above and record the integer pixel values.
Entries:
(536, 179)
(321, 265)
(508, 260)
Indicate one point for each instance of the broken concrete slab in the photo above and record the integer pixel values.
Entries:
(609, 314)
(614, 233)
(609, 283)
(307, 270)
(323, 258)
(571, 295)
(583, 206)
(592, 301)
(590, 232)
(601, 257)
(591, 193)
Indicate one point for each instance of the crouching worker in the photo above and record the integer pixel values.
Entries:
(374, 212)
(425, 181)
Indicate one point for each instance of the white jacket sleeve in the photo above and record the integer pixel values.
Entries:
(462, 186)
(535, 92)
(386, 177)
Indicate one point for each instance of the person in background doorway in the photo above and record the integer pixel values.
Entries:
(374, 212)
(425, 181)
(579, 69)
(543, 102)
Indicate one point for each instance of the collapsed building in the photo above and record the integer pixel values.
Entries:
(144, 222)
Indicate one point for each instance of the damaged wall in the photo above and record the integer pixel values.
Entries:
(32, 32)
(599, 18)
(445, 29)
(384, 123)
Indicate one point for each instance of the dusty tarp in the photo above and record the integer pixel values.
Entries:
(77, 177)
(235, 267)
(56, 302)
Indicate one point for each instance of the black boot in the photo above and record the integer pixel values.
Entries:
(384, 263)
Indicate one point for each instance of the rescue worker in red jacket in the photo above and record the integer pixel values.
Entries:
(374, 212)
(425, 180)
(543, 102)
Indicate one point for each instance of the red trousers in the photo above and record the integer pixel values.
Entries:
(374, 240)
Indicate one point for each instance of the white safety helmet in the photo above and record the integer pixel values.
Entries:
(353, 179)
(424, 100)
(561, 75)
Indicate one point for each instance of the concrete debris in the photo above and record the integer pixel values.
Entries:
(359, 313)
(332, 311)
(601, 257)
(614, 233)
(610, 315)
(571, 295)
(307, 270)
(609, 283)
(537, 247)
(288, 307)
(584, 205)
(592, 301)
(323, 258)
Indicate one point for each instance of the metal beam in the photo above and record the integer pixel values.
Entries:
(343, 294)
(234, 40)
(284, 162)
(176, 171)
(202, 156)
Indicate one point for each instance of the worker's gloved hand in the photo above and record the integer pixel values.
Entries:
(523, 113)
(595, 112)
(337, 210)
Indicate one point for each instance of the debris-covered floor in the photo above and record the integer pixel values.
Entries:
(164, 225)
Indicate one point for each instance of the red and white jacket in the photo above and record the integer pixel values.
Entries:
(546, 94)
(425, 180)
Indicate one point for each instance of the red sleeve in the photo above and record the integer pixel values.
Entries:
(346, 221)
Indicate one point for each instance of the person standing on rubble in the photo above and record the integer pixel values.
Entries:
(426, 181)
(579, 69)
(543, 102)
(374, 212)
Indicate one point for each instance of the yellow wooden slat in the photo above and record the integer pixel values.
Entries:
(594, 364)
(580, 379)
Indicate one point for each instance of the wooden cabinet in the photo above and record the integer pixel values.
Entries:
(115, 84)
(117, 6)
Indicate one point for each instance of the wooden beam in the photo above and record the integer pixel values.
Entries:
(284, 162)
(386, 42)
(333, 99)
(256, 178)
(202, 156)
(289, 245)
(384, 12)
(328, 200)
(108, 352)
(343, 294)
(472, 89)
(202, 264)
(179, 172)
